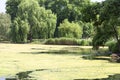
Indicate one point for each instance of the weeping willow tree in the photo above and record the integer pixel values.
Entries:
(42, 22)
(39, 22)
(19, 30)
(5, 23)
(70, 30)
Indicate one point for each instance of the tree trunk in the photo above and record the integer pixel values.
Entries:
(30, 37)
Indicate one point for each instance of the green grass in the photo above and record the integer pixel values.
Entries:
(15, 58)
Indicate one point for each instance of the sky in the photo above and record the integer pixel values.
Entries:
(97, 0)
(2, 4)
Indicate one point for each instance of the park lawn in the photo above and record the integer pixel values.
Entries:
(15, 58)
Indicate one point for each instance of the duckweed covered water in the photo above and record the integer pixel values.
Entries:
(54, 66)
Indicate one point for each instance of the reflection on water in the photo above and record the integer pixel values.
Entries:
(24, 75)
(20, 76)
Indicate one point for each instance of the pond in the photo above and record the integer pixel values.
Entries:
(25, 76)
(111, 77)
(39, 62)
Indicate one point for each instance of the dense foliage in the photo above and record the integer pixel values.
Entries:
(65, 9)
(108, 24)
(32, 21)
(88, 30)
(12, 7)
(41, 22)
(5, 23)
(19, 31)
(68, 41)
(43, 19)
(69, 30)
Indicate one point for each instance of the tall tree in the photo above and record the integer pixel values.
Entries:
(70, 30)
(12, 7)
(5, 23)
(110, 15)
(41, 22)
(19, 30)
(65, 9)
(91, 11)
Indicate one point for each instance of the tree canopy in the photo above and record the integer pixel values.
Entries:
(65, 9)
(5, 23)
(109, 23)
(12, 7)
(70, 30)
(42, 19)
(39, 22)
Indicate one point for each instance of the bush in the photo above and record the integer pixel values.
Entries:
(113, 46)
(69, 30)
(62, 41)
(50, 41)
(38, 41)
(86, 42)
(68, 41)
(108, 43)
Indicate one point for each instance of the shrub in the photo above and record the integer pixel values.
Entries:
(86, 42)
(69, 30)
(108, 43)
(50, 41)
(62, 41)
(68, 41)
(113, 46)
(38, 41)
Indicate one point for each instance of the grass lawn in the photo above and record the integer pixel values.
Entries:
(15, 58)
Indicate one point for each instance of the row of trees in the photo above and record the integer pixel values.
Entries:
(45, 18)
(36, 19)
